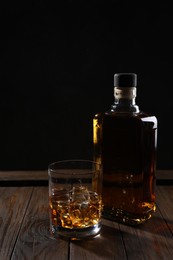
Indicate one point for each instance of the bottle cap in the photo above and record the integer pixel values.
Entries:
(125, 80)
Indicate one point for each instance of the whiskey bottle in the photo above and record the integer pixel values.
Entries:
(125, 142)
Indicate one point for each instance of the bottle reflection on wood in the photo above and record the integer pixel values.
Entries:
(125, 141)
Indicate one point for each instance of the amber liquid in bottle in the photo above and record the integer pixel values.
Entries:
(125, 143)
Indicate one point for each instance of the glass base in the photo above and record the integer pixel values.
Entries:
(75, 233)
(121, 216)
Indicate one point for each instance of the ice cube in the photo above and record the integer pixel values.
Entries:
(80, 194)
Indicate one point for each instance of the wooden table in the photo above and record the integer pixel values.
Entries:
(24, 225)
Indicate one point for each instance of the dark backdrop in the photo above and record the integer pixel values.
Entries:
(57, 67)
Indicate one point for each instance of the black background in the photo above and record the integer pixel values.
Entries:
(57, 66)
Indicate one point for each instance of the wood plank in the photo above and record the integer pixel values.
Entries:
(151, 241)
(23, 175)
(164, 177)
(43, 175)
(29, 207)
(165, 203)
(34, 240)
(164, 174)
(108, 245)
(23, 178)
(13, 205)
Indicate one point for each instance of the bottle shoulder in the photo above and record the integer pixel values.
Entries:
(114, 115)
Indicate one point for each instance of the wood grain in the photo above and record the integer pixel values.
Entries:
(34, 240)
(13, 205)
(165, 204)
(109, 245)
(24, 231)
(23, 175)
(43, 175)
(152, 240)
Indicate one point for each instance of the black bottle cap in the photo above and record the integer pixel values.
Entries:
(125, 80)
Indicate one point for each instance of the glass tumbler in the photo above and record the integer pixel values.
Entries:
(75, 200)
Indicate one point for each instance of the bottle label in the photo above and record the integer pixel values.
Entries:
(124, 92)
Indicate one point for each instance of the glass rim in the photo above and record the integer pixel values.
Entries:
(51, 170)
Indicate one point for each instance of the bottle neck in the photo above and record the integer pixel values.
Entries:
(125, 99)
